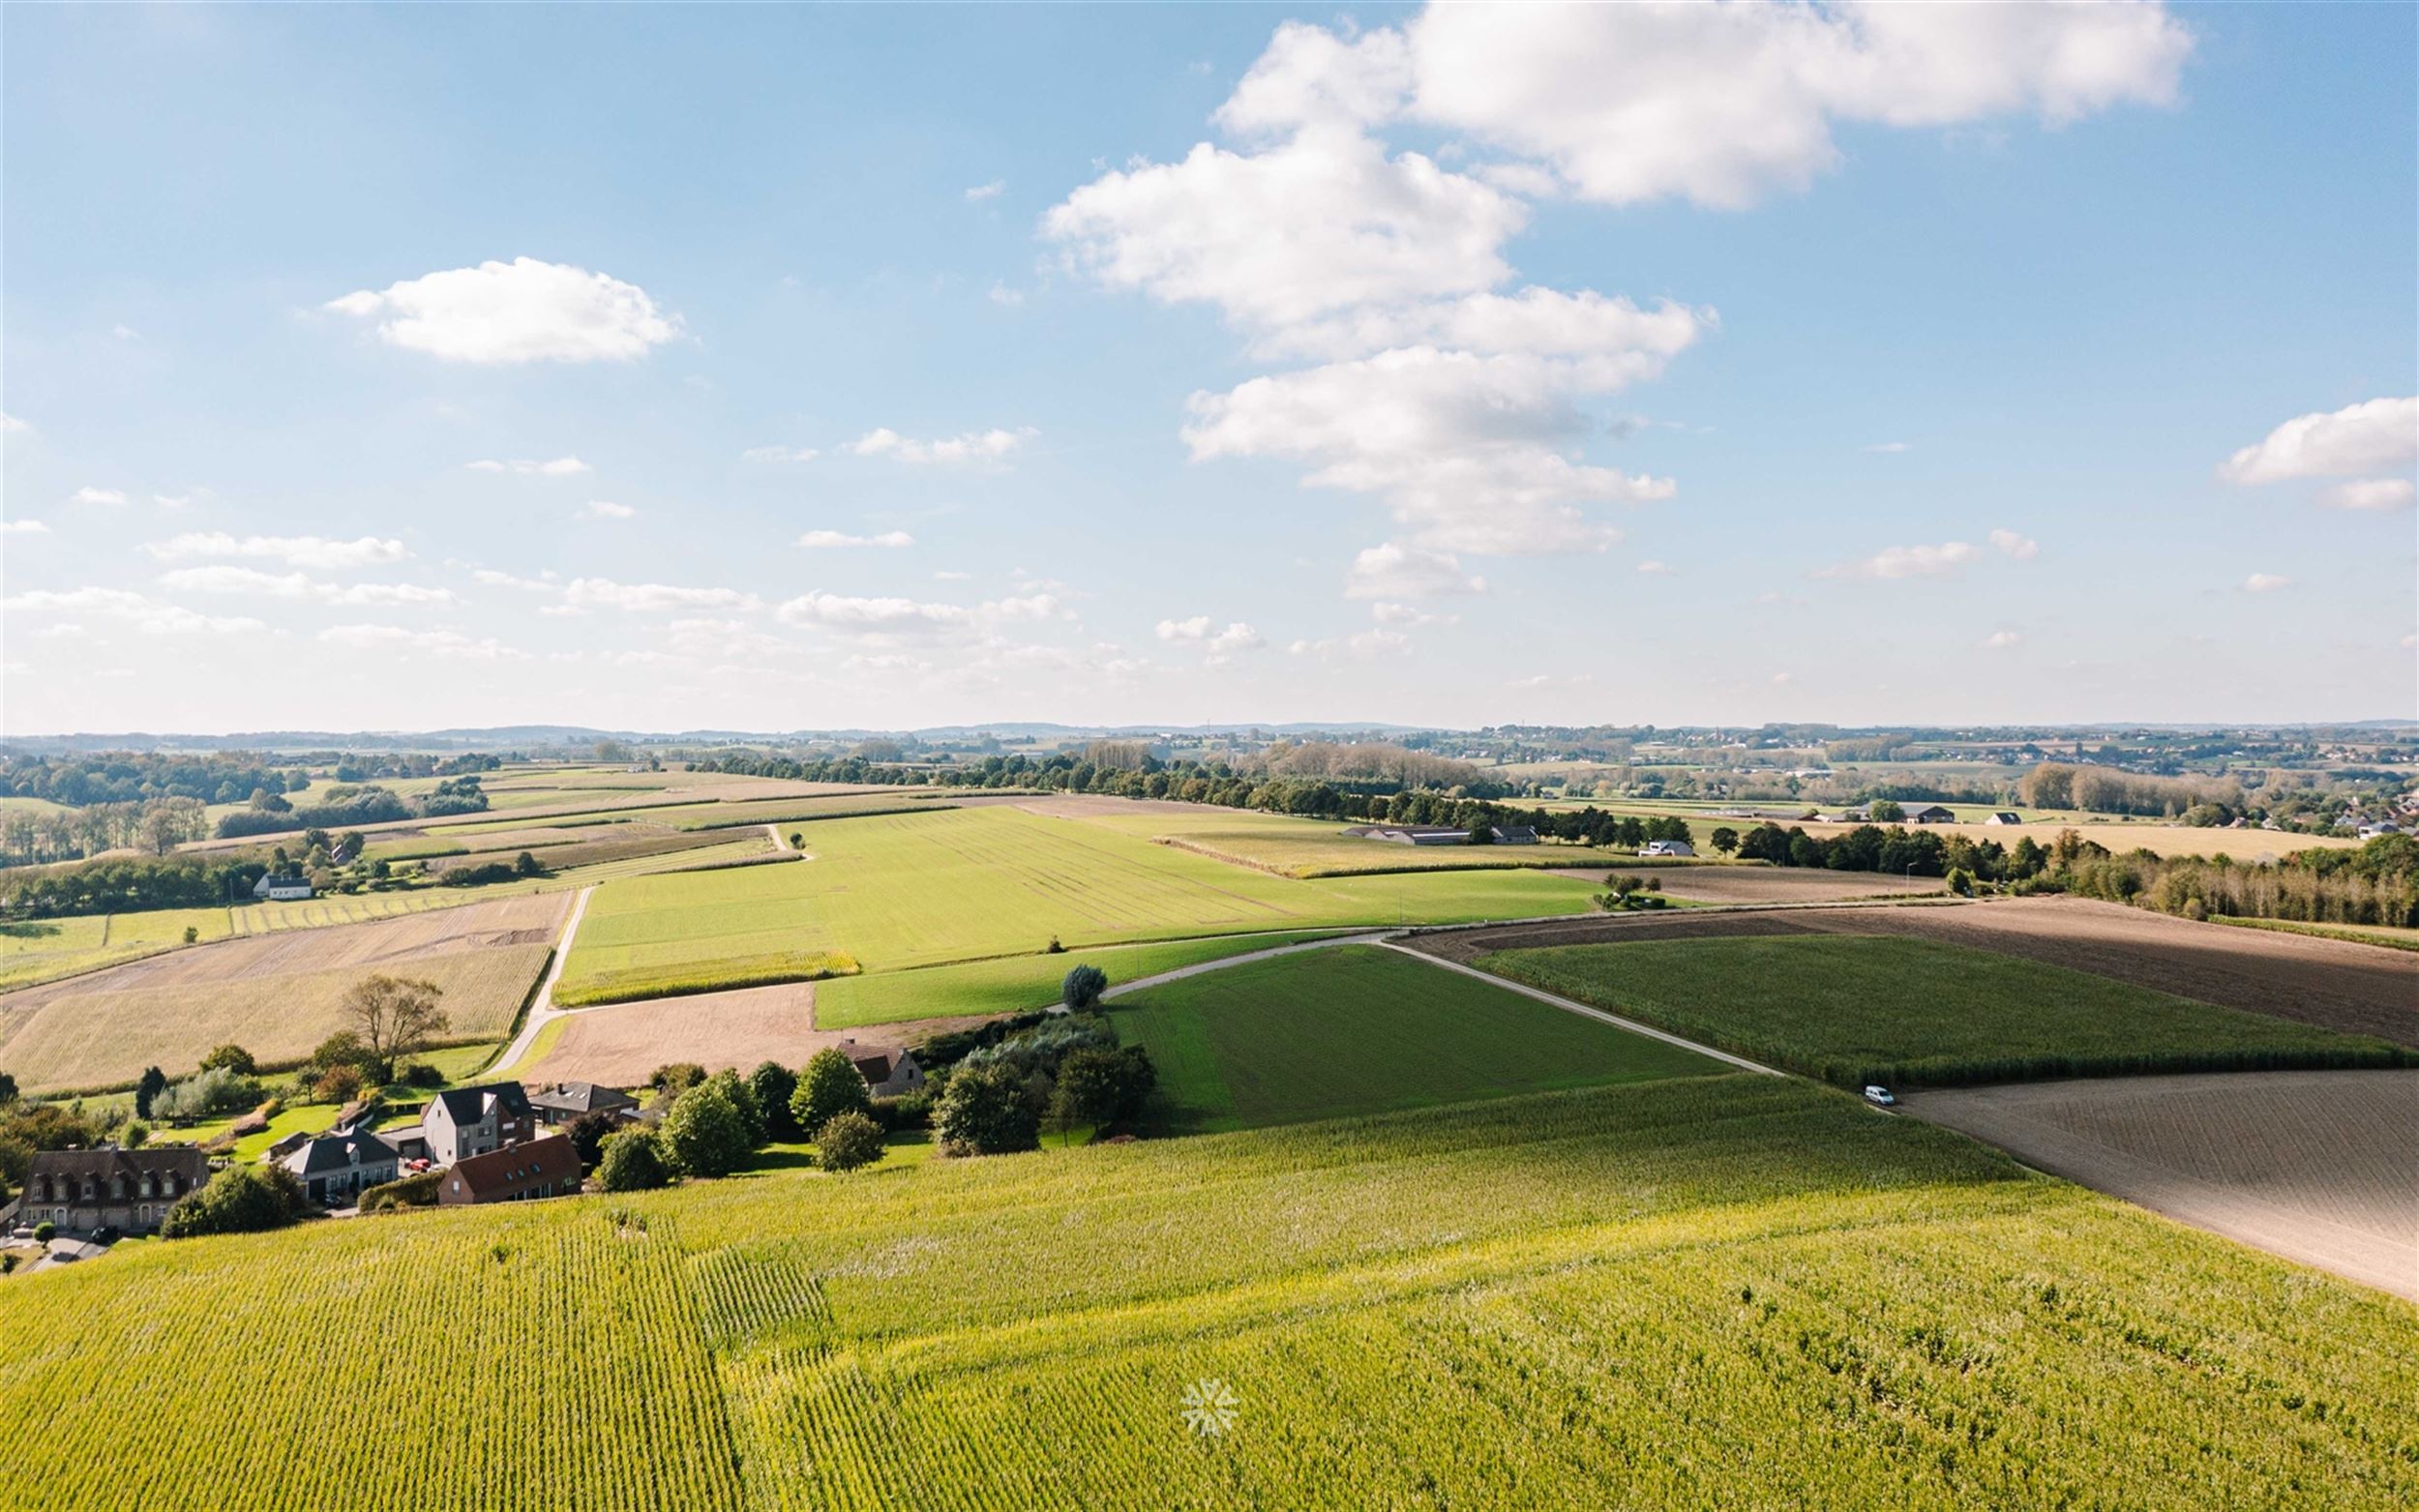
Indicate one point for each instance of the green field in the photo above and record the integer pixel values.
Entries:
(1725, 1292)
(2391, 935)
(921, 889)
(1355, 1029)
(1320, 848)
(1853, 1009)
(1013, 984)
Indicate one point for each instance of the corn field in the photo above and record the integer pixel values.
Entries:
(1737, 1292)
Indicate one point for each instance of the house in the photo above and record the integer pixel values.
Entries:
(2005, 817)
(1929, 814)
(538, 1167)
(888, 1073)
(281, 889)
(1515, 834)
(2381, 827)
(1415, 834)
(1667, 848)
(474, 1120)
(565, 1101)
(109, 1188)
(335, 1167)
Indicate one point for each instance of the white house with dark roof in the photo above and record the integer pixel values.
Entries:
(335, 1167)
(474, 1120)
(281, 889)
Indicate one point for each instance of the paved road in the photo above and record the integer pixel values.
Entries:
(542, 1007)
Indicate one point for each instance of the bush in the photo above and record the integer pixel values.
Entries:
(338, 1085)
(1081, 990)
(418, 1190)
(706, 1133)
(633, 1161)
(137, 1134)
(240, 1200)
(233, 1058)
(830, 1085)
(742, 1097)
(421, 1074)
(207, 1094)
(988, 1109)
(912, 1111)
(676, 1077)
(941, 1051)
(774, 1084)
(588, 1134)
(45, 1231)
(847, 1142)
(1100, 1087)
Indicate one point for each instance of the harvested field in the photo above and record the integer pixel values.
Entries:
(1773, 883)
(619, 1046)
(2320, 1166)
(276, 994)
(2334, 984)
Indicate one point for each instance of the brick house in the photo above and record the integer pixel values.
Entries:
(539, 1168)
(127, 1190)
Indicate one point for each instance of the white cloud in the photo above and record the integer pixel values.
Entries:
(780, 454)
(2377, 436)
(2369, 493)
(605, 509)
(252, 582)
(973, 447)
(1888, 448)
(1000, 294)
(2001, 640)
(991, 190)
(2265, 583)
(23, 527)
(1653, 569)
(89, 494)
(1219, 646)
(2008, 543)
(294, 551)
(884, 619)
(450, 644)
(10, 425)
(1377, 642)
(1907, 561)
(1034, 605)
(177, 500)
(1408, 615)
(1196, 628)
(641, 598)
(822, 540)
(1395, 571)
(396, 594)
(488, 576)
(522, 310)
(149, 615)
(558, 468)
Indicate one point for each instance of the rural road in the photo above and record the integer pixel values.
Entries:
(1223, 962)
(542, 1009)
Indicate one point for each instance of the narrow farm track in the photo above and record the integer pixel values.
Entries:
(542, 1007)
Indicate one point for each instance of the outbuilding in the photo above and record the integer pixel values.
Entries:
(1668, 850)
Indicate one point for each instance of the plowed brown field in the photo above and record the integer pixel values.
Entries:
(621, 1044)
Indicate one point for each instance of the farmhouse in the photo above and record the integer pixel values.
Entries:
(1439, 834)
(281, 889)
(565, 1101)
(540, 1168)
(473, 1121)
(1667, 847)
(129, 1190)
(889, 1076)
(2005, 817)
(333, 1167)
(1931, 813)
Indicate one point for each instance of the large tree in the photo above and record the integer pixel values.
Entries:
(830, 1086)
(394, 1015)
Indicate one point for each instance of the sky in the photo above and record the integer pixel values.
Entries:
(763, 368)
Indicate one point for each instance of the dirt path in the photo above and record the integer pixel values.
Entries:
(1769, 884)
(542, 1006)
(2320, 1166)
(1222, 962)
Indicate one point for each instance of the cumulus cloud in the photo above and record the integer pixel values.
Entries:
(558, 468)
(518, 312)
(824, 540)
(1907, 561)
(89, 494)
(488, 576)
(2265, 583)
(1219, 646)
(780, 454)
(1031, 606)
(23, 527)
(2008, 543)
(149, 615)
(2377, 436)
(313, 551)
(2369, 493)
(885, 619)
(642, 597)
(992, 446)
(1395, 571)
(252, 583)
(449, 644)
(605, 509)
(1653, 569)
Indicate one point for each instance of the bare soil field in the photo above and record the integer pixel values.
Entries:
(2334, 984)
(1770, 883)
(276, 994)
(619, 1045)
(2320, 1166)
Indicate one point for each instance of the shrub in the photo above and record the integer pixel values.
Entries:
(1081, 990)
(1100, 1087)
(336, 1084)
(988, 1109)
(829, 1087)
(240, 1200)
(45, 1231)
(588, 1134)
(706, 1133)
(418, 1190)
(742, 1095)
(912, 1111)
(206, 1094)
(421, 1074)
(234, 1057)
(847, 1142)
(1039, 1049)
(137, 1134)
(676, 1077)
(634, 1162)
(941, 1051)
(774, 1084)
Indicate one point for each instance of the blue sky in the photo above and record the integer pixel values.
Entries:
(1174, 364)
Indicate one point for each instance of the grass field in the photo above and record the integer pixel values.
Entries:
(1013, 984)
(920, 889)
(1361, 1029)
(1319, 847)
(2392, 936)
(1853, 1008)
(1728, 1292)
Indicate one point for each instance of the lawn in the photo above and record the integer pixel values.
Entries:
(1361, 1029)
(1723, 1292)
(1853, 1009)
(907, 890)
(1012, 984)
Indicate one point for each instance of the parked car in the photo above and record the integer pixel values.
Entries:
(1879, 1096)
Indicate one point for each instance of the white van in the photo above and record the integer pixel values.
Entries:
(1879, 1096)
